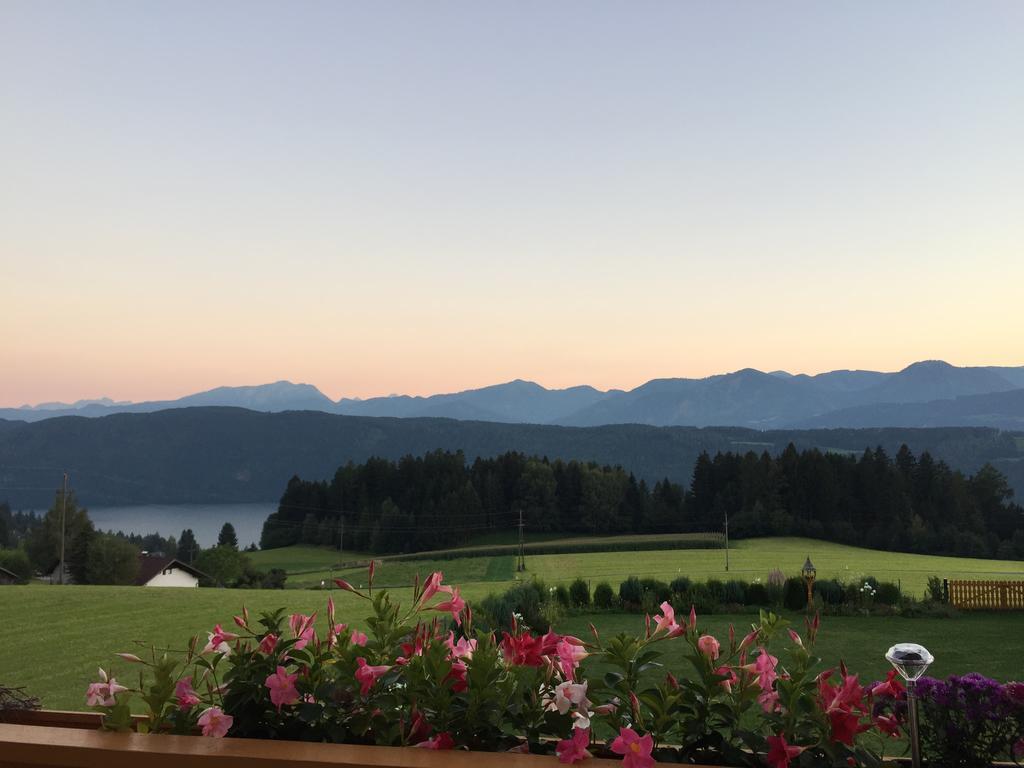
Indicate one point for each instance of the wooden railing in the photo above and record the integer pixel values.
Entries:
(986, 595)
(45, 739)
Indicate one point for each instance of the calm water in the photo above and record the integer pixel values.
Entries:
(205, 520)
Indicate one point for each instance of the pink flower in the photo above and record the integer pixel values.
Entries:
(130, 657)
(780, 752)
(334, 631)
(458, 675)
(431, 587)
(282, 688)
(215, 723)
(268, 644)
(440, 741)
(709, 646)
(769, 701)
(891, 686)
(574, 749)
(367, 674)
(889, 725)
(463, 649)
(693, 617)
(218, 641)
(764, 667)
(186, 695)
(570, 656)
(102, 694)
(636, 750)
(358, 638)
(302, 628)
(453, 605)
(667, 621)
(730, 674)
(568, 694)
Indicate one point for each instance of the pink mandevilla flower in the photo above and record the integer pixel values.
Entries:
(635, 750)
(215, 723)
(218, 641)
(367, 674)
(709, 646)
(358, 638)
(567, 695)
(574, 749)
(185, 694)
(570, 655)
(463, 649)
(282, 688)
(780, 752)
(454, 605)
(302, 628)
(440, 741)
(268, 644)
(102, 694)
(666, 621)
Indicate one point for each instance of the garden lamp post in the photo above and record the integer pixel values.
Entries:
(809, 572)
(911, 661)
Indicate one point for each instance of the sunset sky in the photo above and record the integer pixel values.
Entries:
(425, 197)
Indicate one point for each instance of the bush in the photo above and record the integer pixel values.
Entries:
(716, 589)
(701, 599)
(735, 592)
(887, 593)
(794, 593)
(658, 591)
(936, 592)
(16, 561)
(631, 593)
(680, 585)
(604, 596)
(830, 591)
(579, 594)
(561, 595)
(757, 594)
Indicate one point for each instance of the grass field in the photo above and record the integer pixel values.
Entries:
(749, 559)
(53, 638)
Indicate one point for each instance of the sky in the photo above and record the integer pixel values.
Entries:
(427, 197)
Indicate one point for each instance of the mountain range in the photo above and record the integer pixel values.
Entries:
(925, 394)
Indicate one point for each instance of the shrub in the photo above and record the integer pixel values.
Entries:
(631, 593)
(776, 582)
(701, 599)
(658, 590)
(887, 593)
(936, 592)
(680, 585)
(561, 595)
(604, 596)
(716, 589)
(735, 592)
(16, 561)
(794, 593)
(757, 594)
(830, 591)
(579, 594)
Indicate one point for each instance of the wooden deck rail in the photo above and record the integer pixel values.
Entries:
(22, 746)
(970, 595)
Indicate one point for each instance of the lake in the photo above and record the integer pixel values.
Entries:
(205, 520)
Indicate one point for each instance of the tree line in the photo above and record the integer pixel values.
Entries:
(905, 503)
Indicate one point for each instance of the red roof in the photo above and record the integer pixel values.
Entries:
(150, 566)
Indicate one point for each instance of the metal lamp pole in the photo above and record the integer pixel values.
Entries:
(911, 661)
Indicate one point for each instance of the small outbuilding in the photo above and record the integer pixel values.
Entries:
(162, 571)
(7, 577)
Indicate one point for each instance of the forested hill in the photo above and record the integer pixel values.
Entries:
(902, 502)
(209, 455)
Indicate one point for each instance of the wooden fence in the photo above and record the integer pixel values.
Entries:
(987, 595)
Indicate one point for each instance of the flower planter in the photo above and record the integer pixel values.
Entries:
(72, 740)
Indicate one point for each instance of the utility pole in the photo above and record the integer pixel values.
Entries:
(521, 564)
(727, 541)
(63, 524)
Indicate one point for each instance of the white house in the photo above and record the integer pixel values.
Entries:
(166, 572)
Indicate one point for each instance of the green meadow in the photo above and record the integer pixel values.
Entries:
(52, 638)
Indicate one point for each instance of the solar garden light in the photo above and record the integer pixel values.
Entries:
(911, 661)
